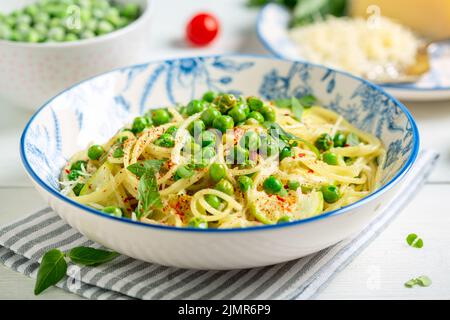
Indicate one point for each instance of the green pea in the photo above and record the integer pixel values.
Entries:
(113, 211)
(160, 117)
(33, 36)
(23, 19)
(250, 140)
(213, 200)
(192, 148)
(95, 152)
(56, 34)
(197, 127)
(352, 140)
(217, 172)
(78, 165)
(122, 139)
(330, 193)
(139, 124)
(208, 153)
(209, 96)
(184, 172)
(283, 193)
(254, 103)
(198, 222)
(272, 185)
(41, 17)
(5, 32)
(87, 34)
(268, 113)
(223, 123)
(225, 102)
(55, 23)
(71, 37)
(286, 153)
(330, 158)
(195, 106)
(324, 142)
(269, 146)
(104, 27)
(257, 116)
(98, 14)
(166, 140)
(32, 10)
(285, 219)
(238, 155)
(112, 15)
(225, 186)
(209, 115)
(238, 114)
(118, 153)
(77, 189)
(207, 138)
(130, 10)
(339, 140)
(245, 183)
(307, 189)
(293, 185)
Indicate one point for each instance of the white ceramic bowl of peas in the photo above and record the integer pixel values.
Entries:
(37, 63)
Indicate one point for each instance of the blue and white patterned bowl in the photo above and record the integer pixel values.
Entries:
(272, 29)
(95, 109)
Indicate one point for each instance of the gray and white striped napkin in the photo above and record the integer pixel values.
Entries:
(23, 243)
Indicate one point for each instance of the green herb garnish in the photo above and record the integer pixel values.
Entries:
(141, 167)
(148, 194)
(53, 266)
(422, 281)
(352, 140)
(414, 241)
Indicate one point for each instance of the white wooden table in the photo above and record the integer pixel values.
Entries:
(377, 273)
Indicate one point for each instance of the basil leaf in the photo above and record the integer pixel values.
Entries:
(414, 241)
(90, 256)
(352, 140)
(141, 167)
(307, 101)
(148, 194)
(423, 281)
(297, 109)
(410, 283)
(283, 103)
(52, 269)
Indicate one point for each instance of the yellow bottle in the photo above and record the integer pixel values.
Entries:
(429, 18)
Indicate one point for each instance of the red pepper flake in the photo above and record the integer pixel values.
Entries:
(280, 199)
(310, 171)
(346, 145)
(67, 171)
(301, 155)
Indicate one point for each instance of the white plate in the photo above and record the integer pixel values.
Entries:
(272, 29)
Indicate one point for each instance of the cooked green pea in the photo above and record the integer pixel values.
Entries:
(257, 116)
(285, 219)
(209, 115)
(198, 222)
(73, 175)
(225, 186)
(160, 117)
(213, 200)
(113, 211)
(207, 138)
(250, 140)
(56, 34)
(166, 140)
(95, 152)
(78, 165)
(208, 153)
(223, 123)
(217, 172)
(268, 113)
(209, 96)
(118, 153)
(225, 102)
(272, 185)
(104, 27)
(122, 139)
(33, 36)
(5, 32)
(324, 142)
(87, 34)
(130, 10)
(245, 183)
(238, 155)
(352, 140)
(330, 193)
(269, 146)
(23, 19)
(77, 189)
(286, 153)
(254, 103)
(139, 124)
(196, 128)
(330, 158)
(41, 17)
(293, 185)
(238, 114)
(339, 140)
(184, 172)
(195, 106)
(172, 130)
(71, 37)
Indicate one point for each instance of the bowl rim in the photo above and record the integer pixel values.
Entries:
(266, 44)
(85, 42)
(377, 193)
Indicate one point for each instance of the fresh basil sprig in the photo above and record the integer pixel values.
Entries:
(53, 266)
(141, 167)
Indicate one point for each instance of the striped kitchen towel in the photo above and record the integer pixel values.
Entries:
(23, 243)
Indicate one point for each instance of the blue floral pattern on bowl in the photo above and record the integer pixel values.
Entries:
(94, 110)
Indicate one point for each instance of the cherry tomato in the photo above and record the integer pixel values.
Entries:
(202, 29)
